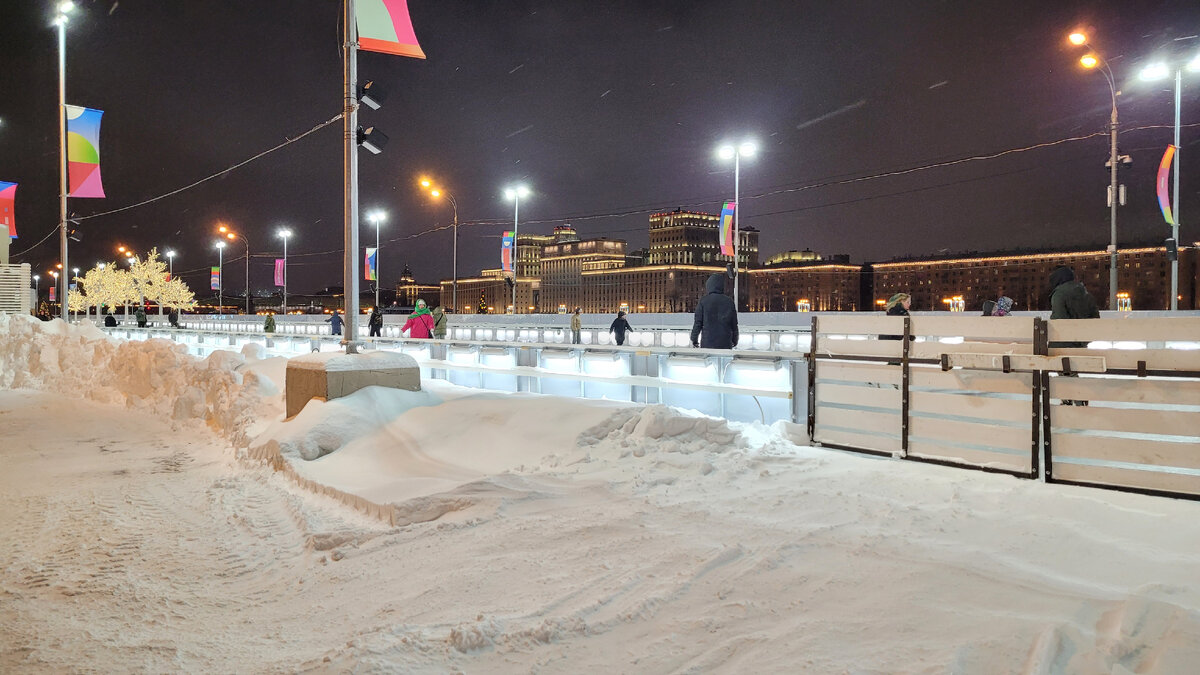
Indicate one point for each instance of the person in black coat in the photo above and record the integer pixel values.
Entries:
(619, 327)
(110, 321)
(716, 325)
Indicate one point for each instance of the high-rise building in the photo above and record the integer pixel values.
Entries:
(691, 238)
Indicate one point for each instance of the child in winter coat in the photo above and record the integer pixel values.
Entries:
(420, 322)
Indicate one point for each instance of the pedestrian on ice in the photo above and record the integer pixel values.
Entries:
(1004, 305)
(269, 323)
(439, 322)
(173, 317)
(375, 323)
(576, 326)
(110, 321)
(716, 324)
(335, 323)
(619, 327)
(140, 315)
(420, 322)
(989, 306)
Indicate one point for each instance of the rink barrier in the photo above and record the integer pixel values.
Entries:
(991, 394)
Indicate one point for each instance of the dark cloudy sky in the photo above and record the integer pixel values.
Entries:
(609, 111)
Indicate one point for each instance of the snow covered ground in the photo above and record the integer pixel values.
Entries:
(138, 532)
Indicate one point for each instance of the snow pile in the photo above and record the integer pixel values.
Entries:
(154, 375)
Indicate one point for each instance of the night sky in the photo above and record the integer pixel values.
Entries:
(609, 111)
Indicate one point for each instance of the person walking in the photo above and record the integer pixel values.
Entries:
(420, 322)
(1069, 299)
(375, 322)
(335, 323)
(576, 326)
(716, 323)
(140, 315)
(269, 323)
(439, 322)
(173, 317)
(619, 327)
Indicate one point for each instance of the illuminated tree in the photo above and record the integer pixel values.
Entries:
(149, 276)
(176, 294)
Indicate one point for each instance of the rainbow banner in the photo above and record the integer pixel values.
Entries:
(369, 271)
(506, 252)
(83, 152)
(279, 263)
(53, 289)
(385, 26)
(1164, 196)
(215, 278)
(725, 228)
(8, 213)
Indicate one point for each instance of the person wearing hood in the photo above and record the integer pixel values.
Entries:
(420, 322)
(619, 327)
(375, 322)
(1068, 297)
(140, 315)
(269, 323)
(173, 317)
(439, 322)
(335, 323)
(1003, 306)
(110, 321)
(716, 324)
(989, 306)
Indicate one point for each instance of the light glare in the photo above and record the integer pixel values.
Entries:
(1088, 61)
(1194, 64)
(747, 149)
(1154, 71)
(725, 152)
(1077, 38)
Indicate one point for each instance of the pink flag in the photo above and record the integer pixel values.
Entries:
(279, 271)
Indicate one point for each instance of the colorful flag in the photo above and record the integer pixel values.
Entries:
(8, 200)
(725, 228)
(1164, 197)
(369, 266)
(506, 250)
(279, 271)
(52, 292)
(384, 26)
(215, 278)
(83, 152)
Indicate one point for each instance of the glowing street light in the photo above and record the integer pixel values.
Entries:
(377, 217)
(514, 194)
(284, 234)
(1159, 71)
(437, 193)
(1093, 60)
(232, 236)
(220, 276)
(63, 9)
(728, 152)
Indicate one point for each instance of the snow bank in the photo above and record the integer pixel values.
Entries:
(154, 375)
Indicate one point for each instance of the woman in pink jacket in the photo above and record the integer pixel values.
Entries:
(420, 322)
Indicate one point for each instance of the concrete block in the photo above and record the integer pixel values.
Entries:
(331, 375)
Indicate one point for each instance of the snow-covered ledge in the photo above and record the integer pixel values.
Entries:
(331, 375)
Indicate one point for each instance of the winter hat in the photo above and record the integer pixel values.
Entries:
(1061, 275)
(421, 304)
(1003, 306)
(897, 299)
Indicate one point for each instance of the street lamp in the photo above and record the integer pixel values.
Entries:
(728, 152)
(1091, 60)
(60, 20)
(515, 194)
(171, 263)
(220, 276)
(231, 236)
(36, 292)
(436, 193)
(284, 233)
(1158, 71)
(377, 217)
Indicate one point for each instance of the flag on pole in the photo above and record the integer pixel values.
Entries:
(83, 152)
(1164, 196)
(725, 228)
(506, 252)
(279, 271)
(385, 26)
(215, 279)
(52, 294)
(8, 200)
(369, 266)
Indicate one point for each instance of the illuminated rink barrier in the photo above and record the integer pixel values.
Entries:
(991, 393)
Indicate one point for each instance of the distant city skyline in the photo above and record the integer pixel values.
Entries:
(609, 114)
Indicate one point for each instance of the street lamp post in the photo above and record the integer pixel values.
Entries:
(231, 236)
(727, 152)
(1155, 72)
(74, 275)
(284, 233)
(515, 195)
(61, 21)
(170, 274)
(438, 192)
(377, 217)
(1091, 60)
(36, 292)
(221, 276)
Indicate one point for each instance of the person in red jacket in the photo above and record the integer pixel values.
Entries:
(420, 322)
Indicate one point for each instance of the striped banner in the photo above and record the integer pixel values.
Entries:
(1164, 196)
(215, 278)
(725, 228)
(385, 26)
(506, 252)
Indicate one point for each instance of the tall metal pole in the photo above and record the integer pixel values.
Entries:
(377, 259)
(1114, 197)
(221, 279)
(516, 247)
(285, 275)
(454, 294)
(737, 211)
(1175, 227)
(62, 160)
(247, 243)
(350, 170)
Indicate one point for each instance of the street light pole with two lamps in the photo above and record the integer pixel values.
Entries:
(60, 20)
(220, 277)
(727, 152)
(377, 217)
(1092, 60)
(438, 192)
(515, 194)
(231, 235)
(1158, 71)
(284, 234)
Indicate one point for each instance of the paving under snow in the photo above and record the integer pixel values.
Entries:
(139, 531)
